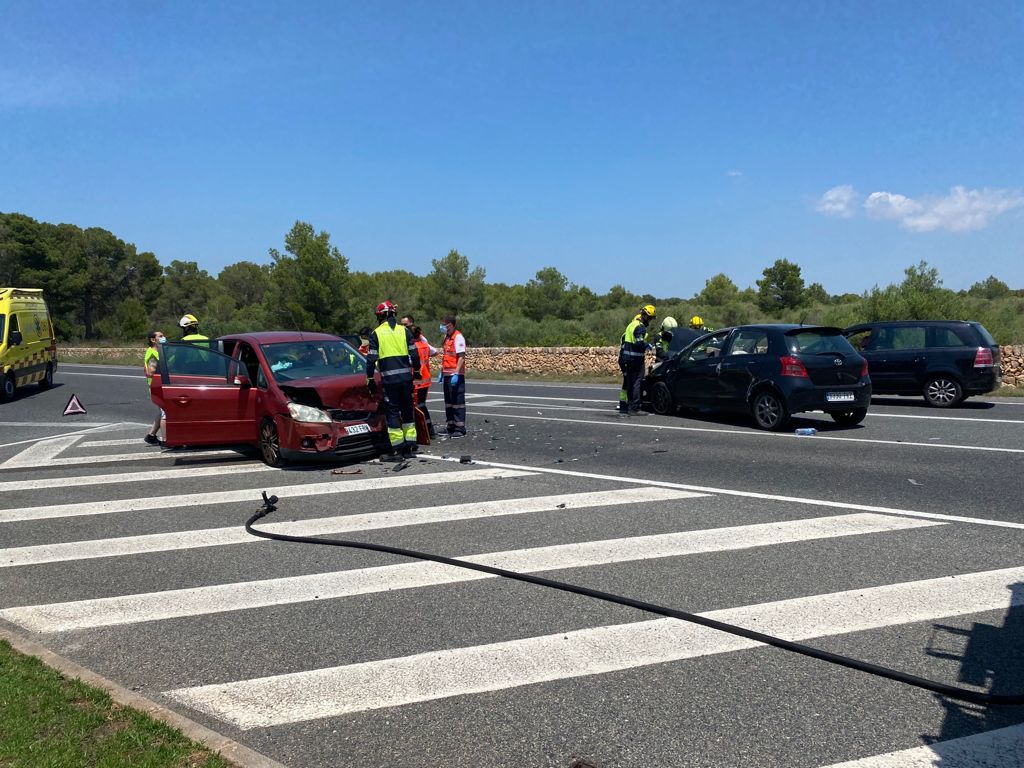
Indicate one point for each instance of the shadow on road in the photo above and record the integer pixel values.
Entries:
(990, 659)
(28, 392)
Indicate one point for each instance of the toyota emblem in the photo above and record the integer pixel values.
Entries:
(837, 362)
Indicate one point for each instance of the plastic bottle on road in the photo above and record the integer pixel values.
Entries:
(806, 431)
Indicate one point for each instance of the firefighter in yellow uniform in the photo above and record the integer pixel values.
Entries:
(632, 350)
(390, 352)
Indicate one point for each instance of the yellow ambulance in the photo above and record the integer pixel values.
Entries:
(28, 350)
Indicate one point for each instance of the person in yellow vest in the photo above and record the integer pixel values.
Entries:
(391, 352)
(149, 364)
(453, 375)
(190, 329)
(632, 349)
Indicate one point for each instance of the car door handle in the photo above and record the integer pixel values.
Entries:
(182, 400)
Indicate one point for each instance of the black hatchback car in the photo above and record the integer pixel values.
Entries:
(768, 371)
(944, 360)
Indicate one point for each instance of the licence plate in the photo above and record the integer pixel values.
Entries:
(839, 397)
(357, 429)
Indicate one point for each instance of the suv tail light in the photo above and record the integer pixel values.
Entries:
(983, 358)
(791, 366)
(864, 369)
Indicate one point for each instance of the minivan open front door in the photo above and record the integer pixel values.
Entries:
(207, 397)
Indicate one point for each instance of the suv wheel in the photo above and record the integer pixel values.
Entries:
(849, 418)
(769, 411)
(943, 392)
(7, 393)
(661, 399)
(47, 381)
(270, 443)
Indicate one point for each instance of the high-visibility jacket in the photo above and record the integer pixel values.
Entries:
(634, 344)
(151, 354)
(389, 352)
(450, 361)
(423, 350)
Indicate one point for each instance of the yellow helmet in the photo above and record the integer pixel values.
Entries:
(649, 310)
(696, 321)
(187, 320)
(669, 323)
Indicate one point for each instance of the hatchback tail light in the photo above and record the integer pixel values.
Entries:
(983, 358)
(864, 369)
(791, 366)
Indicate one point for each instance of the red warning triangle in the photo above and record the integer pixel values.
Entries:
(74, 406)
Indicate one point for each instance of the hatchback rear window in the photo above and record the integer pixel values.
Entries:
(818, 342)
(986, 337)
(949, 337)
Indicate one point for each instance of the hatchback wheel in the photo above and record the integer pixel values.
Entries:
(943, 392)
(849, 418)
(8, 389)
(769, 411)
(270, 443)
(661, 399)
(47, 381)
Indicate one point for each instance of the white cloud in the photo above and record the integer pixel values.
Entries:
(961, 210)
(839, 201)
(734, 174)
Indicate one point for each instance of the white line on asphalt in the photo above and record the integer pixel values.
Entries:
(944, 418)
(185, 474)
(747, 494)
(120, 458)
(43, 452)
(221, 598)
(247, 494)
(111, 443)
(336, 691)
(322, 526)
(82, 431)
(630, 423)
(1001, 747)
(53, 423)
(110, 375)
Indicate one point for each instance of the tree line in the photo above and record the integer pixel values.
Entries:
(102, 289)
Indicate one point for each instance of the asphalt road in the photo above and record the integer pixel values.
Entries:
(898, 541)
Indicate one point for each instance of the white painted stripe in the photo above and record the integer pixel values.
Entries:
(944, 418)
(221, 598)
(335, 691)
(749, 494)
(53, 423)
(42, 452)
(111, 443)
(633, 424)
(1003, 747)
(214, 537)
(78, 432)
(247, 494)
(120, 458)
(133, 477)
(111, 375)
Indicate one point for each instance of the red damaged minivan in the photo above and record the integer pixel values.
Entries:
(294, 395)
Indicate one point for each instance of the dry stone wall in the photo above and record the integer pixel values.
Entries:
(540, 361)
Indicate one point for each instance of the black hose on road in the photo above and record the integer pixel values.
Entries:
(943, 689)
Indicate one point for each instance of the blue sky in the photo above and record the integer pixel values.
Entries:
(651, 144)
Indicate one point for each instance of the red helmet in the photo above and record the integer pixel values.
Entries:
(386, 308)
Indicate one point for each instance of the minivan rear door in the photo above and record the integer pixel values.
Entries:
(897, 359)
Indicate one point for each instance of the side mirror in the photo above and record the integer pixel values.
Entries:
(15, 338)
(242, 380)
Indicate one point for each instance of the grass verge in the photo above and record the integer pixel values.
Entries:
(49, 720)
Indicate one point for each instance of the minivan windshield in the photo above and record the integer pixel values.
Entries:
(291, 360)
(3, 328)
(818, 342)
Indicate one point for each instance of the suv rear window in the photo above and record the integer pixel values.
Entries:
(818, 342)
(948, 337)
(986, 337)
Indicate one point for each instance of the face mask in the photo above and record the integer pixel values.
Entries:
(162, 339)
(444, 328)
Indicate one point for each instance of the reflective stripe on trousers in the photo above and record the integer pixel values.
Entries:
(398, 412)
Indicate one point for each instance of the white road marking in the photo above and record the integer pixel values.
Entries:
(42, 452)
(111, 443)
(63, 372)
(1001, 747)
(53, 423)
(944, 418)
(322, 526)
(184, 474)
(120, 458)
(631, 423)
(221, 598)
(747, 494)
(78, 432)
(332, 692)
(247, 494)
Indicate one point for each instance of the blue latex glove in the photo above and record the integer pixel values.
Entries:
(455, 379)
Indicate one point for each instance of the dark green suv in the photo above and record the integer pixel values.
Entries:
(946, 361)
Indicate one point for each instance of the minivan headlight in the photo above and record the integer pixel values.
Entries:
(307, 413)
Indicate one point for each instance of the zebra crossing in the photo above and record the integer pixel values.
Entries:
(400, 656)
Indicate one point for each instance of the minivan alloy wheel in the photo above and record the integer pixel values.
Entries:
(943, 392)
(270, 443)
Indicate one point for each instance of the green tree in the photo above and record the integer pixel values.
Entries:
(990, 288)
(816, 294)
(452, 286)
(245, 282)
(308, 288)
(546, 294)
(718, 291)
(781, 287)
(186, 289)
